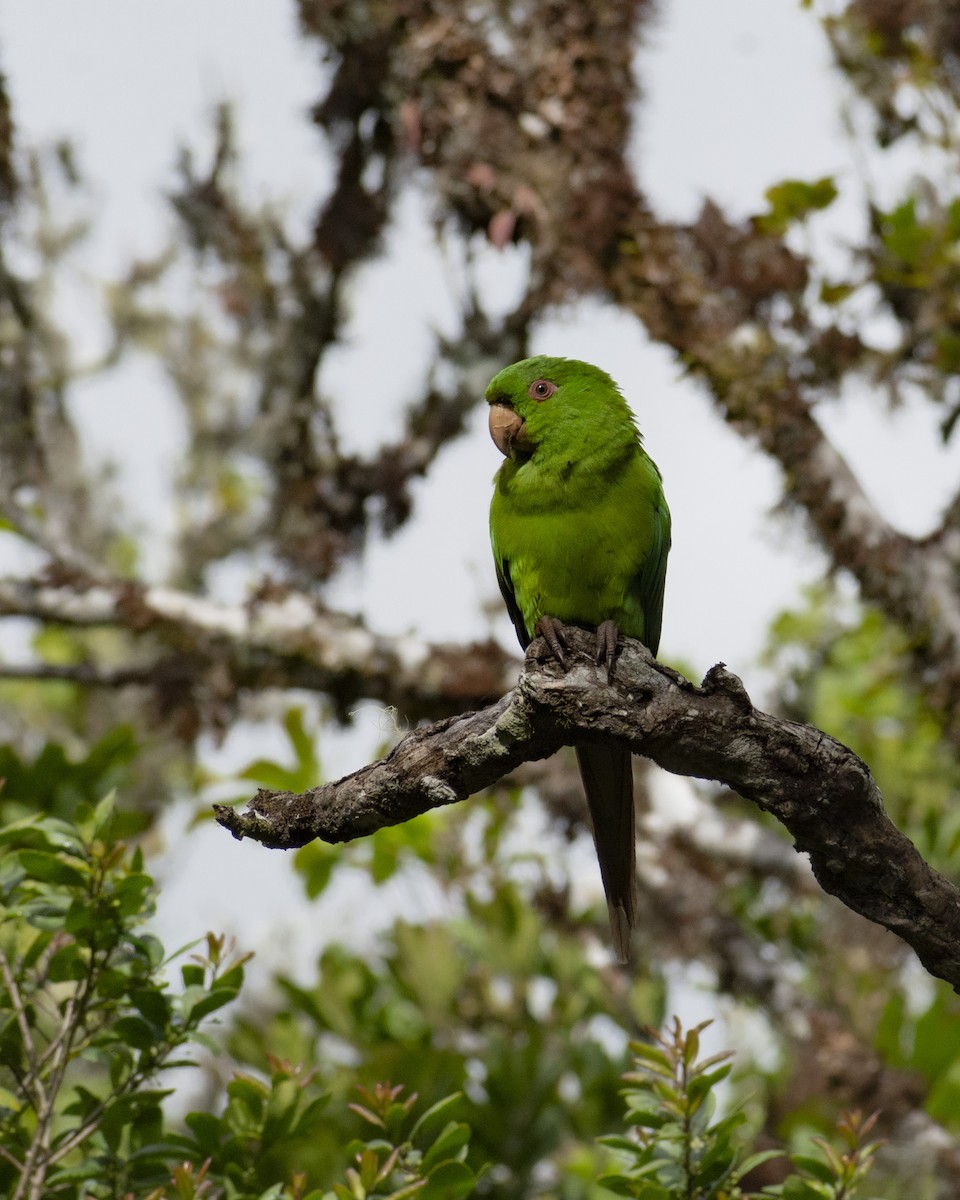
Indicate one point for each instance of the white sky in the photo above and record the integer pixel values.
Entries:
(738, 97)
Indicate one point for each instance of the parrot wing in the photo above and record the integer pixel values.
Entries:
(646, 587)
(510, 599)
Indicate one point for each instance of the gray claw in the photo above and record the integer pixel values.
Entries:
(608, 642)
(550, 629)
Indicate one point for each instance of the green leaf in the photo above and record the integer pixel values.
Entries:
(652, 1057)
(248, 1092)
(937, 1036)
(411, 1189)
(316, 862)
(70, 962)
(192, 974)
(132, 893)
(309, 1118)
(281, 1109)
(798, 1188)
(207, 1129)
(794, 200)
(638, 1189)
(647, 1114)
(617, 1141)
(691, 1047)
(889, 1033)
(904, 236)
(152, 1005)
(449, 1181)
(449, 1145)
(835, 293)
(136, 1032)
(49, 913)
(814, 1166)
(303, 747)
(442, 1108)
(102, 818)
(205, 1040)
(947, 346)
(150, 947)
(944, 1097)
(232, 980)
(52, 868)
(271, 775)
(702, 1085)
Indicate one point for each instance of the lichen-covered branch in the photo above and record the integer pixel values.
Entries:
(280, 638)
(274, 469)
(526, 139)
(818, 789)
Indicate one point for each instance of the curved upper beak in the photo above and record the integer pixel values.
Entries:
(508, 430)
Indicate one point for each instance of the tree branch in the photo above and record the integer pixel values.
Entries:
(87, 674)
(280, 638)
(501, 140)
(821, 791)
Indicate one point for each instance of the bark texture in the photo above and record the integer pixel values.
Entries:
(818, 789)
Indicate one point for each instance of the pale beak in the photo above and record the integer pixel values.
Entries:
(508, 431)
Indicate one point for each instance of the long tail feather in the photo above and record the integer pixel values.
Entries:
(608, 781)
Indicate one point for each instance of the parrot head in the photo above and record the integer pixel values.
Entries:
(561, 400)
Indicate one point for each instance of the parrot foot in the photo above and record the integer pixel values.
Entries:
(608, 642)
(551, 630)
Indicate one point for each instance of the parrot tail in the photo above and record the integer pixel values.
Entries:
(608, 781)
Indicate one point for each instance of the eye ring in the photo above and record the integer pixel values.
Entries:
(541, 389)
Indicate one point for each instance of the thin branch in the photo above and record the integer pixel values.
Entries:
(43, 534)
(821, 791)
(23, 1024)
(11, 1159)
(88, 674)
(32, 1167)
(281, 638)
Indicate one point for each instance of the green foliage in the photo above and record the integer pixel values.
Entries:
(847, 672)
(55, 782)
(258, 1147)
(679, 1150)
(496, 1005)
(305, 771)
(829, 1173)
(792, 201)
(926, 1041)
(88, 1023)
(911, 247)
(682, 1150)
(87, 1019)
(381, 855)
(429, 1162)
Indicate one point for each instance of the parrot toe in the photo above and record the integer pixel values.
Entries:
(608, 642)
(551, 630)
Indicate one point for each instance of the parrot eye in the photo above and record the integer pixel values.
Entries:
(541, 389)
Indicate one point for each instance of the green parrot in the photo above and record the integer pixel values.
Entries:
(580, 532)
